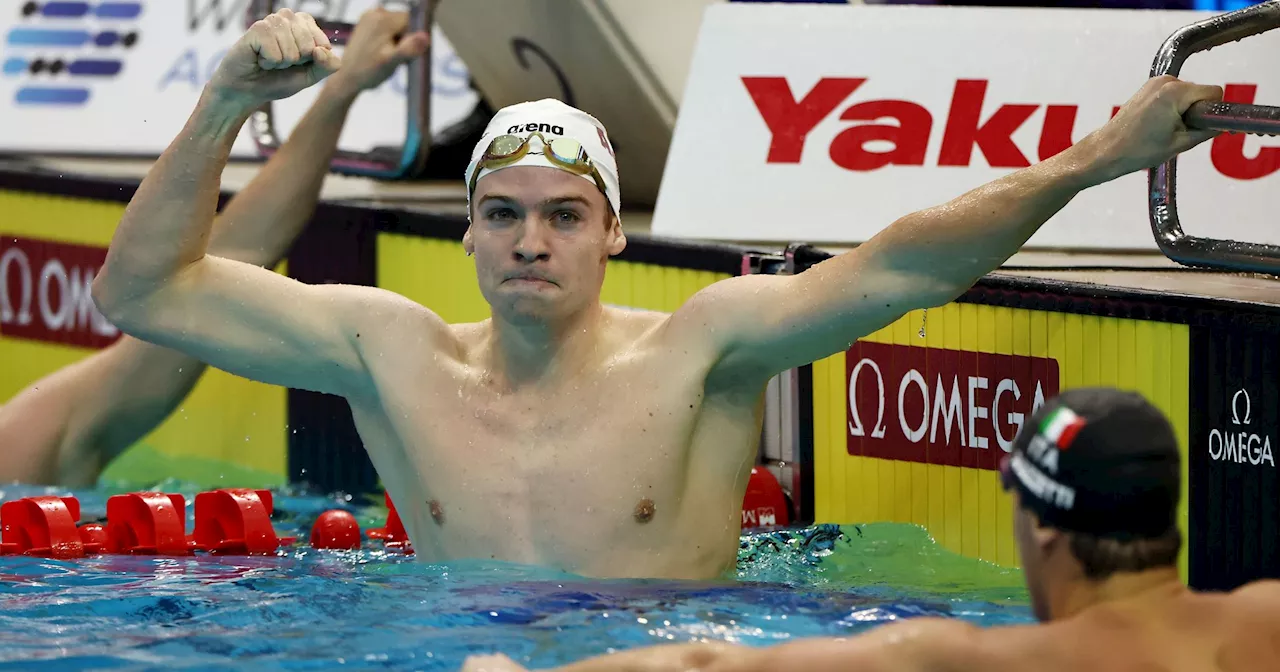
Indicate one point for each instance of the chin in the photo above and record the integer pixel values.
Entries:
(1039, 605)
(526, 308)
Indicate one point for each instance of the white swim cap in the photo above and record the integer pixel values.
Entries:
(552, 119)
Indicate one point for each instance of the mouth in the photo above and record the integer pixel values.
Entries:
(529, 278)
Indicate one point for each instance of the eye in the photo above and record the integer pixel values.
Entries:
(566, 218)
(500, 215)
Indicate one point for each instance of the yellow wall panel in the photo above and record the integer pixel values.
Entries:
(228, 426)
(59, 219)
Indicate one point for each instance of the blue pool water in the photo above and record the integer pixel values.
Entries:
(305, 609)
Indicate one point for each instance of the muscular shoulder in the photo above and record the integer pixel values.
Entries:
(635, 325)
(746, 325)
(725, 304)
(1264, 589)
(379, 320)
(1259, 596)
(708, 319)
(380, 309)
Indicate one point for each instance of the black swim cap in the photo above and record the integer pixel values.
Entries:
(1098, 461)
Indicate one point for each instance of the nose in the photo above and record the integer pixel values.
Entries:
(531, 245)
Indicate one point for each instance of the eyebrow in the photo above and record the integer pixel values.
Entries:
(558, 200)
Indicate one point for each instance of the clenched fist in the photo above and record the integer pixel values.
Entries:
(277, 57)
(377, 47)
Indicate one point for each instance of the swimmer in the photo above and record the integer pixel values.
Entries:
(65, 428)
(1095, 477)
(559, 432)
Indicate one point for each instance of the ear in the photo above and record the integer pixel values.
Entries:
(468, 245)
(617, 239)
(1045, 538)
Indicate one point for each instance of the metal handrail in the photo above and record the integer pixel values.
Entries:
(1228, 117)
(384, 162)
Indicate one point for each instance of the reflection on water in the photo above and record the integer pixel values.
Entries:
(320, 609)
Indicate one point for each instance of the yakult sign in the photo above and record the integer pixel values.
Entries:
(826, 123)
(45, 293)
(941, 406)
(905, 127)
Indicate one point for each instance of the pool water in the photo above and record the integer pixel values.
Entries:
(307, 609)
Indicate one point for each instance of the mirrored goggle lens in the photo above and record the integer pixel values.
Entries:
(567, 150)
(504, 146)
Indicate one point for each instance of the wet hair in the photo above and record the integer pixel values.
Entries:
(1103, 556)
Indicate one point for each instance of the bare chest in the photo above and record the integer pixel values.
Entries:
(533, 474)
(599, 428)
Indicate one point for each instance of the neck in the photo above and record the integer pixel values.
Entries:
(527, 352)
(1150, 590)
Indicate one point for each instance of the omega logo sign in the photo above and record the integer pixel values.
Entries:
(941, 406)
(1239, 443)
(45, 293)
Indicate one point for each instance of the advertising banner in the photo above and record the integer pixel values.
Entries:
(826, 123)
(121, 78)
(942, 406)
(1235, 486)
(45, 293)
(910, 423)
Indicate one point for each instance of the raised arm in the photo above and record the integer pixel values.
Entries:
(766, 324)
(261, 222)
(160, 283)
(67, 426)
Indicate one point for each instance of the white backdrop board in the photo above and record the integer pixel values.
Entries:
(825, 123)
(120, 78)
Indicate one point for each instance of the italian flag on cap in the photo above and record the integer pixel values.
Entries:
(1061, 427)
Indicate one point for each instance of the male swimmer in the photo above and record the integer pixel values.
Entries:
(559, 432)
(1095, 476)
(66, 427)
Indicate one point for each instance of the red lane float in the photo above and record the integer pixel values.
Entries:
(44, 527)
(147, 523)
(236, 521)
(336, 529)
(94, 535)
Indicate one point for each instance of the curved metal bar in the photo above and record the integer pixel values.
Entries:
(1229, 117)
(407, 160)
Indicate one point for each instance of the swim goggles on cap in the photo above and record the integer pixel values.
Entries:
(565, 153)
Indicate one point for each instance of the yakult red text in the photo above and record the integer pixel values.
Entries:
(790, 116)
